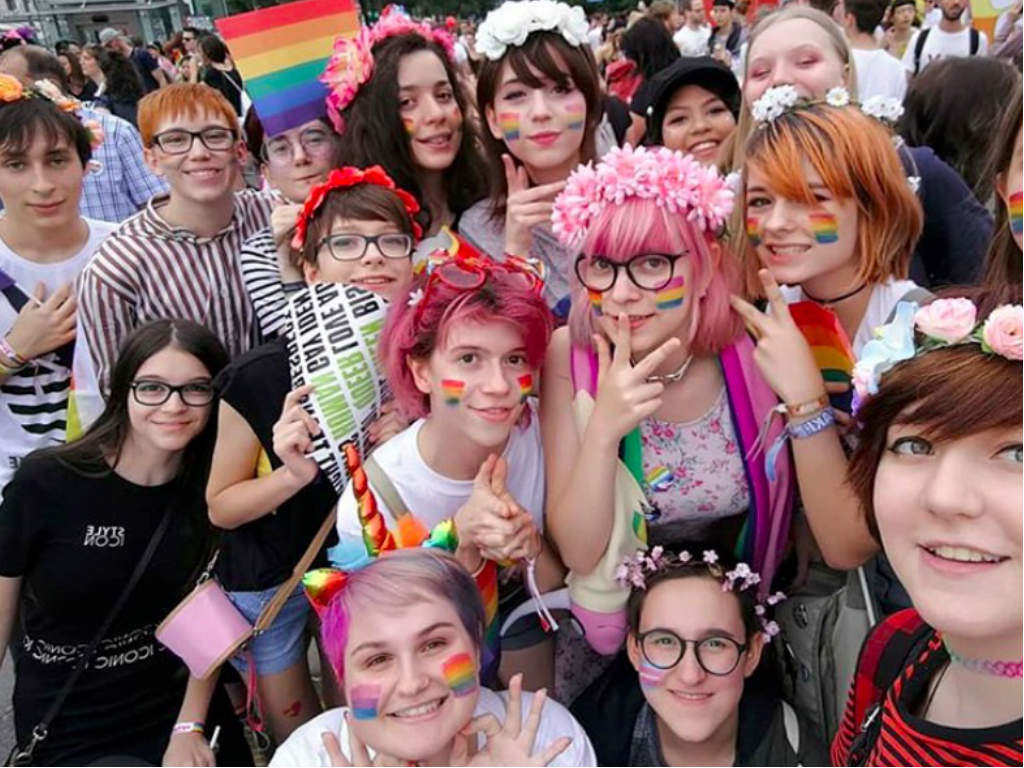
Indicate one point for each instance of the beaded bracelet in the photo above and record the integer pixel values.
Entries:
(189, 726)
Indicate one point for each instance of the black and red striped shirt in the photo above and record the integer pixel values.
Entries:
(906, 739)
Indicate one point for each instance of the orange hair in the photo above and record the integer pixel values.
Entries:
(855, 157)
(188, 100)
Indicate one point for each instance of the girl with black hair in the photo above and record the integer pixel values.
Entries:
(219, 70)
(80, 86)
(650, 46)
(74, 523)
(122, 87)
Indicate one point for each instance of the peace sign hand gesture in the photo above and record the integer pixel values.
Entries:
(624, 396)
(525, 207)
(782, 353)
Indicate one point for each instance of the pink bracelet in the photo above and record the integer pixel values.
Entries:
(189, 726)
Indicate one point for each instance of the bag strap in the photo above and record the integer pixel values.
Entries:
(269, 613)
(919, 49)
(975, 42)
(383, 487)
(918, 294)
(42, 729)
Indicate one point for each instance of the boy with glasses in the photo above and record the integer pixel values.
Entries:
(179, 256)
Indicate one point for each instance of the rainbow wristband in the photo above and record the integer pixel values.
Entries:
(189, 726)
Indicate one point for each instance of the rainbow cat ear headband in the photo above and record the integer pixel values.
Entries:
(634, 571)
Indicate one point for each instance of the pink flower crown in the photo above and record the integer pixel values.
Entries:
(671, 180)
(351, 63)
(633, 571)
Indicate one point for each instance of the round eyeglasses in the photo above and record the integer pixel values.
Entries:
(195, 393)
(280, 150)
(178, 141)
(344, 247)
(717, 655)
(649, 271)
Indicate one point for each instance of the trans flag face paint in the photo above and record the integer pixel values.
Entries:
(1016, 212)
(365, 700)
(509, 125)
(650, 675)
(825, 227)
(460, 673)
(453, 390)
(671, 296)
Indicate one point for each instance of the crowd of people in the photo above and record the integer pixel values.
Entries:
(635, 390)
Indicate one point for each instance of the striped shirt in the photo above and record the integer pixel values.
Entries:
(262, 276)
(148, 270)
(906, 739)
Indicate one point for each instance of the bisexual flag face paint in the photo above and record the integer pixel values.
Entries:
(650, 675)
(453, 390)
(672, 295)
(825, 227)
(1015, 211)
(460, 673)
(364, 700)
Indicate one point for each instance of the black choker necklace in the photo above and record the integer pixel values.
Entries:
(837, 299)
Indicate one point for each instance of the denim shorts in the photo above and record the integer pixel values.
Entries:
(284, 642)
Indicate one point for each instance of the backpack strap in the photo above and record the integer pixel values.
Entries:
(975, 42)
(921, 295)
(883, 657)
(384, 488)
(919, 48)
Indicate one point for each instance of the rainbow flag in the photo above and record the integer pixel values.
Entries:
(825, 226)
(453, 389)
(672, 295)
(509, 125)
(576, 120)
(525, 386)
(460, 673)
(1016, 212)
(595, 300)
(828, 340)
(281, 53)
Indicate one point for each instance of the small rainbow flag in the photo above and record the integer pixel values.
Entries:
(365, 699)
(1017, 212)
(281, 52)
(577, 120)
(671, 296)
(754, 230)
(828, 340)
(825, 226)
(509, 125)
(460, 674)
(660, 479)
(453, 389)
(595, 300)
(525, 386)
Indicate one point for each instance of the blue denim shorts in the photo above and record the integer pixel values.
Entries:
(284, 642)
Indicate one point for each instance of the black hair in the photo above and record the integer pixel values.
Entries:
(213, 48)
(22, 120)
(1002, 263)
(123, 84)
(867, 14)
(954, 106)
(76, 78)
(374, 134)
(98, 450)
(649, 44)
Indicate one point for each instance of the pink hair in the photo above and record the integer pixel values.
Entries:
(415, 332)
(637, 225)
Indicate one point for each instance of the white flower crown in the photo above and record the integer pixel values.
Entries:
(512, 22)
(780, 99)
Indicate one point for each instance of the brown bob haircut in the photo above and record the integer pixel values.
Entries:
(362, 202)
(540, 52)
(951, 392)
(855, 158)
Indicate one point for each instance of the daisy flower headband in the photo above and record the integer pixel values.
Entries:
(351, 62)
(12, 90)
(634, 571)
(782, 99)
(670, 180)
(915, 331)
(348, 176)
(512, 22)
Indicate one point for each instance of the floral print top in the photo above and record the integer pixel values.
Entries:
(694, 471)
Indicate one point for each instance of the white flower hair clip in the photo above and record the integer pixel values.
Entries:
(512, 22)
(415, 297)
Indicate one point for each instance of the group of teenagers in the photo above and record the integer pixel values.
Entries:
(601, 401)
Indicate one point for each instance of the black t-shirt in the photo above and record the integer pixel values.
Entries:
(75, 541)
(145, 63)
(262, 553)
(228, 83)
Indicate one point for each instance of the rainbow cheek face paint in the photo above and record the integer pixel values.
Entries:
(364, 700)
(595, 300)
(651, 676)
(460, 674)
(754, 230)
(525, 387)
(671, 296)
(825, 227)
(453, 389)
(408, 125)
(1016, 212)
(509, 125)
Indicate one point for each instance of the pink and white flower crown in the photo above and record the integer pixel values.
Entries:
(633, 572)
(351, 63)
(671, 180)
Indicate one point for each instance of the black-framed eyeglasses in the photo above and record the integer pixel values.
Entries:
(344, 247)
(178, 141)
(195, 393)
(717, 655)
(280, 150)
(648, 271)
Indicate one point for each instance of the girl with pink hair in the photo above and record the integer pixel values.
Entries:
(652, 404)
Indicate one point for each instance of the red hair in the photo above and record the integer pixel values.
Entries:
(188, 100)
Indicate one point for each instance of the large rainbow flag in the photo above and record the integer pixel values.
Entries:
(281, 52)
(828, 340)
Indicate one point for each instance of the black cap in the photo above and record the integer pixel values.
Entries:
(689, 70)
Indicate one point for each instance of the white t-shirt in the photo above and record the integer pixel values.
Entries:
(884, 298)
(34, 401)
(305, 747)
(692, 42)
(879, 73)
(939, 44)
(432, 497)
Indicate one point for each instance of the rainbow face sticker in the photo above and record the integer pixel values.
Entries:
(595, 300)
(1016, 212)
(754, 230)
(671, 296)
(364, 700)
(525, 386)
(453, 390)
(825, 227)
(460, 674)
(650, 675)
(509, 122)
